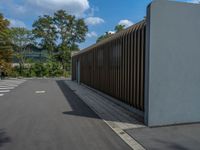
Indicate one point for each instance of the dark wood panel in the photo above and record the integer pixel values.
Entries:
(116, 67)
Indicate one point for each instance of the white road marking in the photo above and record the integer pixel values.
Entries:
(7, 88)
(3, 85)
(4, 91)
(40, 92)
(7, 85)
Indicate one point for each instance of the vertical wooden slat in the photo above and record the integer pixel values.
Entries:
(142, 68)
(123, 71)
(128, 68)
(134, 69)
(125, 68)
(138, 70)
(121, 67)
(116, 66)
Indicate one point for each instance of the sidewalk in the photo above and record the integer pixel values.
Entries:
(133, 132)
(115, 116)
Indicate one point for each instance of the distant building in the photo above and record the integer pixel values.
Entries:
(33, 54)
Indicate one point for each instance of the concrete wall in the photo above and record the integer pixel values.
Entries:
(173, 63)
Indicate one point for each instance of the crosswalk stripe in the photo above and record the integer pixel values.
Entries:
(4, 91)
(12, 81)
(7, 88)
(7, 85)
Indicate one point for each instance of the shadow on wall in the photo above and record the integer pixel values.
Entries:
(79, 108)
(4, 138)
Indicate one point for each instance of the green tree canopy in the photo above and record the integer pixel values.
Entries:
(60, 35)
(5, 46)
(45, 31)
(21, 38)
(119, 27)
(103, 37)
(4, 34)
(106, 35)
(70, 30)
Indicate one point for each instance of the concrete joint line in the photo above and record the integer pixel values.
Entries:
(122, 134)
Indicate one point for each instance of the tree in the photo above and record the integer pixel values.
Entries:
(71, 31)
(119, 27)
(5, 46)
(45, 30)
(103, 37)
(60, 35)
(21, 38)
(106, 35)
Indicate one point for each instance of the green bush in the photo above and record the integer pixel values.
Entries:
(49, 69)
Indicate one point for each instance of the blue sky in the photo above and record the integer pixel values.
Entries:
(100, 15)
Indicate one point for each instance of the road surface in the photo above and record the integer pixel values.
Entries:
(44, 114)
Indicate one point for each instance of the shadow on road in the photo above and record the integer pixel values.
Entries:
(4, 138)
(171, 145)
(78, 106)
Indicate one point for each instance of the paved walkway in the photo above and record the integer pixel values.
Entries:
(46, 115)
(179, 137)
(114, 115)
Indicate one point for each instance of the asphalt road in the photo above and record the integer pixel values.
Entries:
(54, 120)
(177, 137)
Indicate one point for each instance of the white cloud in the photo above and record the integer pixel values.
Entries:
(30, 8)
(91, 11)
(76, 7)
(91, 34)
(16, 23)
(194, 1)
(94, 20)
(126, 23)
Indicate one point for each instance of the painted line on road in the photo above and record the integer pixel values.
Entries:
(9, 85)
(40, 92)
(7, 88)
(4, 86)
(4, 91)
(1, 94)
